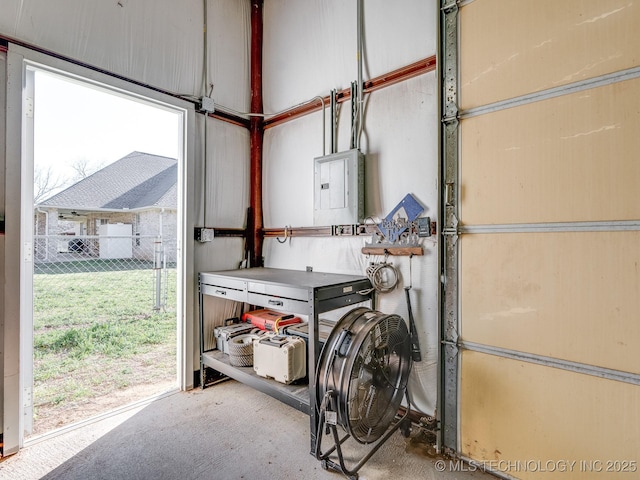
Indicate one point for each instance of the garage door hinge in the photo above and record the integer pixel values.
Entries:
(449, 5)
(28, 107)
(452, 225)
(27, 397)
(451, 119)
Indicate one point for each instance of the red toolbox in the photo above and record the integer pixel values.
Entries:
(270, 320)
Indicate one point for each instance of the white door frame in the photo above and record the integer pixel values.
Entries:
(18, 314)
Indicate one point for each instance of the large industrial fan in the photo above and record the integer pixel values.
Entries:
(361, 380)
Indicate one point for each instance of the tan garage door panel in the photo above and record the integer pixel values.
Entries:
(550, 43)
(573, 296)
(513, 411)
(571, 158)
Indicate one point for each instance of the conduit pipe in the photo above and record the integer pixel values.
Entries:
(205, 50)
(360, 86)
(256, 136)
(204, 92)
(333, 105)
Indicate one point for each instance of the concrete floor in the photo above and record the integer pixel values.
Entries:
(228, 431)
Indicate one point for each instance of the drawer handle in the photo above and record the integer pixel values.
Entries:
(276, 302)
(221, 292)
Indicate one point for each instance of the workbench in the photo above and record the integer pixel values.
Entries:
(290, 291)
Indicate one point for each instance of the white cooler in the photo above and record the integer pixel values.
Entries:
(282, 358)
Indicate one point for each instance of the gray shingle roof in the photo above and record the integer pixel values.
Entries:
(136, 181)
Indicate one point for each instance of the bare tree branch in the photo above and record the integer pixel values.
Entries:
(83, 168)
(45, 184)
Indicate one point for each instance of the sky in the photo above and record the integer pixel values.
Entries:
(74, 122)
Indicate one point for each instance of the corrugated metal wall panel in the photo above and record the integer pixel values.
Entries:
(156, 42)
(227, 176)
(310, 46)
(309, 49)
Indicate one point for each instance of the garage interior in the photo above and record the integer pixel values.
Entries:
(504, 132)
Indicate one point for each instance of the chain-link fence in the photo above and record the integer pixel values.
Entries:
(146, 258)
(104, 321)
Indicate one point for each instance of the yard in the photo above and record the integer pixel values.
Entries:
(98, 343)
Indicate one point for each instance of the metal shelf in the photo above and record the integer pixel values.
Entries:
(291, 291)
(295, 395)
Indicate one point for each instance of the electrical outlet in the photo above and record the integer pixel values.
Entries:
(203, 234)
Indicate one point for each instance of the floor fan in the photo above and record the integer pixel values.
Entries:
(361, 380)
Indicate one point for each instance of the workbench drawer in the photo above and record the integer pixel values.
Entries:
(224, 292)
(286, 291)
(287, 305)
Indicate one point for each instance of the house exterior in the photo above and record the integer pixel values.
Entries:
(138, 192)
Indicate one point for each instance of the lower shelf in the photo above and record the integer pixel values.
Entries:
(296, 395)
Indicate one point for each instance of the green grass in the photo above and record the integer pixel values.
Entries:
(111, 338)
(98, 332)
(67, 299)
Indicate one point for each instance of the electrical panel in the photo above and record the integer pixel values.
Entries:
(338, 188)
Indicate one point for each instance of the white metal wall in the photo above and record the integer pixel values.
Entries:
(549, 286)
(161, 44)
(310, 49)
(156, 42)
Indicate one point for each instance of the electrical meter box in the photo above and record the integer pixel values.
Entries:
(338, 188)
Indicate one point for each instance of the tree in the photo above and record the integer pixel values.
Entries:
(83, 168)
(45, 183)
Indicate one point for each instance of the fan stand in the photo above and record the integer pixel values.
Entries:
(327, 423)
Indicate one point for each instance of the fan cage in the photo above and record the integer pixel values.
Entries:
(366, 363)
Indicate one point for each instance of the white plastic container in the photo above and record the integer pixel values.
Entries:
(227, 332)
(282, 358)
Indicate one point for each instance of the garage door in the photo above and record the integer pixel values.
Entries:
(543, 222)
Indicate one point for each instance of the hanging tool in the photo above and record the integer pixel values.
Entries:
(415, 343)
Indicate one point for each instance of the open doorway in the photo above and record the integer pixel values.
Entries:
(105, 248)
